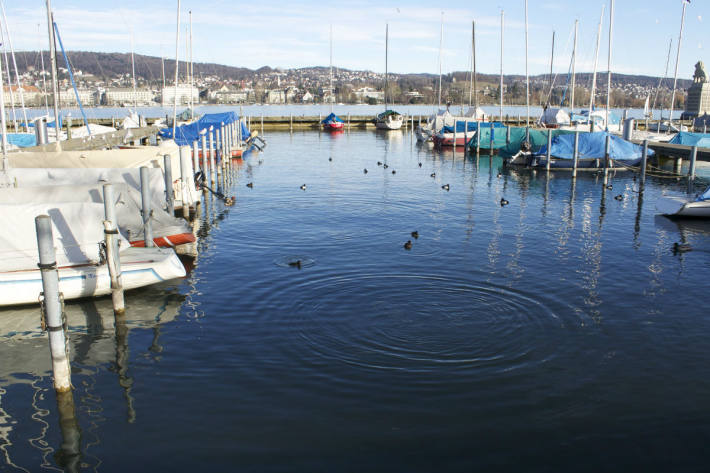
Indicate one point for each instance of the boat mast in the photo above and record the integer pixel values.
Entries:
(331, 72)
(387, 29)
(552, 61)
(53, 65)
(574, 65)
(192, 72)
(177, 45)
(594, 75)
(162, 65)
(527, 77)
(5, 161)
(133, 69)
(675, 76)
(660, 81)
(441, 42)
(608, 76)
(44, 78)
(473, 66)
(9, 79)
(14, 63)
(502, 21)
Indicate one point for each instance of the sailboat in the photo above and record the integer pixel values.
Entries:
(389, 119)
(332, 122)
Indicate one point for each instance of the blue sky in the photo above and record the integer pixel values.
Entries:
(295, 33)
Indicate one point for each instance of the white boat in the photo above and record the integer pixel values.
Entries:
(554, 118)
(681, 206)
(78, 232)
(389, 119)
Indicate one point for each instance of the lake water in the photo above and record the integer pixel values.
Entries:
(557, 333)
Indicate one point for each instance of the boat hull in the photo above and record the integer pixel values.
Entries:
(681, 207)
(139, 267)
(335, 126)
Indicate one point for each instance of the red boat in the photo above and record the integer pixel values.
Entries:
(332, 123)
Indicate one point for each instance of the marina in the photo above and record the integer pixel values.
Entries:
(444, 277)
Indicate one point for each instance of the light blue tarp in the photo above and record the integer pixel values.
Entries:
(186, 134)
(705, 195)
(472, 126)
(22, 140)
(592, 146)
(701, 140)
(332, 118)
(583, 117)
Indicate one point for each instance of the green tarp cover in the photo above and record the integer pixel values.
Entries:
(538, 139)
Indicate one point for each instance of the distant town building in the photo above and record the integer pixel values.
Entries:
(182, 92)
(230, 95)
(698, 102)
(307, 97)
(88, 97)
(31, 95)
(125, 95)
(365, 93)
(275, 96)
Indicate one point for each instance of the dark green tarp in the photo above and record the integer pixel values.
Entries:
(538, 139)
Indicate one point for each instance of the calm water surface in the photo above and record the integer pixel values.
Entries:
(557, 333)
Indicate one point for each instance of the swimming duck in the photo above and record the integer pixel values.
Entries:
(503, 202)
(295, 264)
(364, 170)
(408, 245)
(499, 175)
(445, 187)
(394, 172)
(303, 187)
(420, 164)
(385, 166)
(619, 197)
(330, 159)
(681, 248)
(415, 234)
(379, 163)
(432, 174)
(229, 201)
(250, 185)
(609, 186)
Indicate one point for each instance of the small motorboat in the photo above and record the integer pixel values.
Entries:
(332, 123)
(681, 206)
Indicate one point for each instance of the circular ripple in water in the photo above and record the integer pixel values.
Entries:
(410, 323)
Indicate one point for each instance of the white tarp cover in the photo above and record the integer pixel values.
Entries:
(476, 113)
(555, 116)
(77, 229)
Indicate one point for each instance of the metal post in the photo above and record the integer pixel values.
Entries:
(52, 304)
(507, 135)
(146, 211)
(465, 136)
(203, 145)
(644, 158)
(490, 148)
(478, 138)
(211, 155)
(576, 153)
(549, 149)
(693, 157)
(607, 148)
(290, 122)
(184, 176)
(41, 131)
(195, 156)
(218, 155)
(169, 193)
(455, 123)
(262, 124)
(112, 260)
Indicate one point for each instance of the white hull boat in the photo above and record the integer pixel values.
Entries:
(139, 267)
(680, 206)
(389, 121)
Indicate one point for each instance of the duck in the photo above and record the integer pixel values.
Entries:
(394, 172)
(415, 234)
(503, 202)
(303, 187)
(385, 166)
(364, 171)
(609, 186)
(499, 175)
(379, 163)
(681, 248)
(445, 187)
(408, 245)
(295, 264)
(619, 197)
(250, 185)
(330, 159)
(229, 201)
(432, 174)
(420, 164)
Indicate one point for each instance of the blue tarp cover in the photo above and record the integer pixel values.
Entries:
(472, 126)
(705, 195)
(592, 145)
(332, 118)
(701, 140)
(22, 140)
(186, 134)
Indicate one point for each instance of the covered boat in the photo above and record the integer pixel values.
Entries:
(701, 140)
(591, 151)
(187, 134)
(554, 118)
(389, 120)
(681, 206)
(465, 131)
(332, 123)
(525, 143)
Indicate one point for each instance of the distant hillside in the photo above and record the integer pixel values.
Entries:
(108, 65)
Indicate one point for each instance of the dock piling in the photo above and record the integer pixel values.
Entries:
(146, 211)
(212, 157)
(693, 158)
(184, 176)
(507, 135)
(644, 158)
(576, 154)
(205, 176)
(111, 241)
(169, 194)
(549, 150)
(52, 305)
(195, 156)
(607, 147)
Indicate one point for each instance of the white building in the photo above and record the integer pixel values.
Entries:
(67, 97)
(125, 95)
(31, 95)
(365, 93)
(184, 91)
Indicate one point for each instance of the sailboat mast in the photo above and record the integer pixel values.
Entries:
(574, 65)
(552, 61)
(53, 65)
(527, 77)
(594, 74)
(177, 46)
(331, 72)
(14, 63)
(133, 69)
(441, 43)
(475, 88)
(608, 80)
(387, 32)
(502, 21)
(3, 132)
(9, 80)
(192, 72)
(44, 77)
(675, 76)
(660, 81)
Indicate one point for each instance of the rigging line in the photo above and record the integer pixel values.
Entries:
(71, 76)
